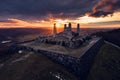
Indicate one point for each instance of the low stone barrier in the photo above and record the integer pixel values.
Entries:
(87, 60)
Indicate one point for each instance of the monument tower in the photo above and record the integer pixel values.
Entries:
(78, 29)
(70, 27)
(54, 30)
(65, 27)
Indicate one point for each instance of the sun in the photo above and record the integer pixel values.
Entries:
(58, 25)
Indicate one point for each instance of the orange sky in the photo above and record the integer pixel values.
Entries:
(85, 21)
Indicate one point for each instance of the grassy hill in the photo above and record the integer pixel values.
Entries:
(32, 66)
(111, 36)
(106, 65)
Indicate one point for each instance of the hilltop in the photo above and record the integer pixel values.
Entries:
(29, 65)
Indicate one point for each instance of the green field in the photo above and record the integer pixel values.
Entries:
(106, 65)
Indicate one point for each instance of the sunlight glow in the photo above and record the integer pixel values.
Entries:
(85, 21)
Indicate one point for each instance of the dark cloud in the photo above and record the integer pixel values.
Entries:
(45, 9)
(41, 9)
(6, 21)
(99, 14)
(105, 7)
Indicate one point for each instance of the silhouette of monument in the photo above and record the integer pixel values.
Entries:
(66, 38)
(67, 32)
(78, 29)
(54, 31)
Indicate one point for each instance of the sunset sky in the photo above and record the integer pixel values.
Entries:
(44, 13)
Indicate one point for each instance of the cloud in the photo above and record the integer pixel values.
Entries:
(104, 8)
(7, 21)
(42, 9)
(105, 23)
(30, 10)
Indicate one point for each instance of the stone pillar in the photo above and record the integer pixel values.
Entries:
(65, 27)
(54, 31)
(78, 29)
(70, 27)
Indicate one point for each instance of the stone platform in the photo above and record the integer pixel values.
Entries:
(78, 52)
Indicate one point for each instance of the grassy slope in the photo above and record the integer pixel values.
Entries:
(34, 67)
(106, 65)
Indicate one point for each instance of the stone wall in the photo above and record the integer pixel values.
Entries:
(87, 60)
(73, 43)
(78, 66)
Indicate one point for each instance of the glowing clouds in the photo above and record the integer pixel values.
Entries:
(104, 8)
(17, 23)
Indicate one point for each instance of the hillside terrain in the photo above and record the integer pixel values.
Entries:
(32, 66)
(112, 36)
(28, 65)
(107, 62)
(106, 65)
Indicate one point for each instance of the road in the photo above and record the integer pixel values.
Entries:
(112, 44)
